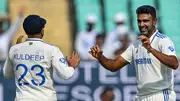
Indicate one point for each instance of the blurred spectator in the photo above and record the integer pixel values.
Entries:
(112, 42)
(86, 39)
(107, 94)
(7, 35)
(100, 40)
(125, 41)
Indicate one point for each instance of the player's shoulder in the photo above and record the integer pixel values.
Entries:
(163, 39)
(161, 36)
(50, 46)
(16, 46)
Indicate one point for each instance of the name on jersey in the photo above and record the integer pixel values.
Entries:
(28, 57)
(143, 61)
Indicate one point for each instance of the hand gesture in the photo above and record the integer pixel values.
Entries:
(19, 40)
(74, 59)
(146, 42)
(96, 52)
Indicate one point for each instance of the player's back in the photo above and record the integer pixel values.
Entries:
(33, 72)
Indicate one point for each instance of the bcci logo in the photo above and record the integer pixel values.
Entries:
(171, 48)
(63, 60)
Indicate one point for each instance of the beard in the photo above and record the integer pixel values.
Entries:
(146, 31)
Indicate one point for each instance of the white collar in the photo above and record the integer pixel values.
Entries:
(153, 36)
(34, 39)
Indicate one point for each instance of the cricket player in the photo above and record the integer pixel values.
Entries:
(154, 58)
(32, 64)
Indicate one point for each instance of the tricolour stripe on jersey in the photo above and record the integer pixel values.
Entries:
(153, 37)
(166, 95)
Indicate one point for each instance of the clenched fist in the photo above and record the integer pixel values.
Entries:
(146, 42)
(96, 52)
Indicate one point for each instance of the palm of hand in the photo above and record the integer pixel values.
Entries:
(74, 60)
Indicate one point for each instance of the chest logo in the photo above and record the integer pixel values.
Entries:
(143, 61)
(171, 48)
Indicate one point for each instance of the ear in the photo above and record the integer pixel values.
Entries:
(155, 21)
(42, 30)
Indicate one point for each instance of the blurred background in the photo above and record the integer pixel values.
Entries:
(80, 24)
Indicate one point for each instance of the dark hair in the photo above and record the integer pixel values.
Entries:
(147, 9)
(100, 35)
(33, 24)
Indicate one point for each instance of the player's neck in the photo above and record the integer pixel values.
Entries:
(35, 36)
(153, 31)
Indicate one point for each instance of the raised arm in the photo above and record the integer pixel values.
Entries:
(8, 69)
(15, 26)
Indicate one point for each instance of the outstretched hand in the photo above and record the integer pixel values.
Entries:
(96, 52)
(74, 59)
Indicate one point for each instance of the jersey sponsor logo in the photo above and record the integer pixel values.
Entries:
(171, 48)
(143, 61)
(63, 60)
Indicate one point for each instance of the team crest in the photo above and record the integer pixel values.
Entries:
(171, 48)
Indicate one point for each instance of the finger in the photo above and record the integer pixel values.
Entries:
(146, 42)
(93, 49)
(90, 52)
(76, 54)
(73, 53)
(78, 59)
(142, 37)
(98, 48)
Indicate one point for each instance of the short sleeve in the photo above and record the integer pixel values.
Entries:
(128, 53)
(59, 63)
(167, 47)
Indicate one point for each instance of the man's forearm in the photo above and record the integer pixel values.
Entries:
(170, 61)
(112, 64)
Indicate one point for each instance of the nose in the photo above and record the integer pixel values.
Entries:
(141, 24)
